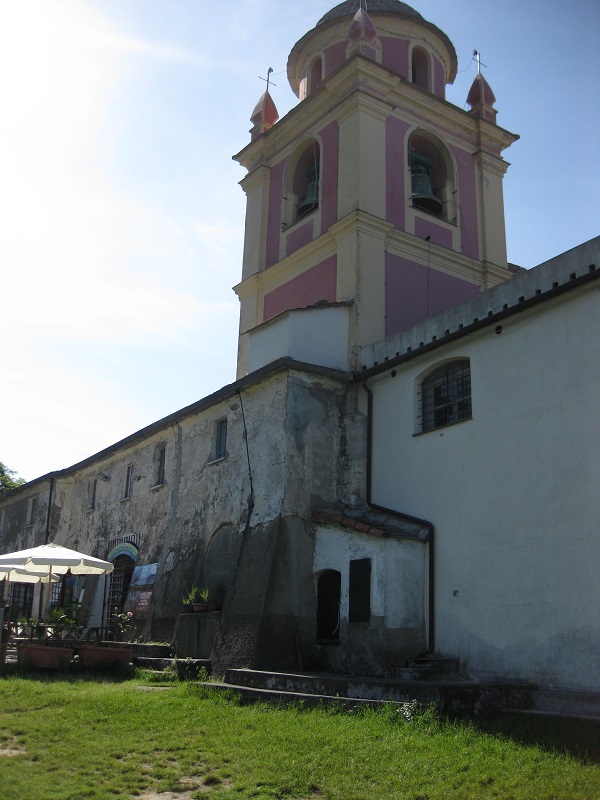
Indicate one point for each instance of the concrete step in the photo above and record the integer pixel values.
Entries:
(584, 705)
(450, 696)
(330, 685)
(252, 694)
(149, 662)
(151, 650)
(433, 668)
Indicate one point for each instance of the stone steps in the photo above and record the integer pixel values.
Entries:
(427, 668)
(583, 705)
(256, 694)
(149, 662)
(449, 696)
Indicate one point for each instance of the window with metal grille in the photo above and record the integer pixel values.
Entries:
(445, 395)
(120, 578)
(20, 599)
(360, 590)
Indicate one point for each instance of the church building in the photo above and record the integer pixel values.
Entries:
(407, 462)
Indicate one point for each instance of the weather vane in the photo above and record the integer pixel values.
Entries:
(268, 78)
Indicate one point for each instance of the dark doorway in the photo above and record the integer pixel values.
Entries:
(328, 607)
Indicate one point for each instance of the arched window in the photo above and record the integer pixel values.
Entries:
(445, 395)
(315, 74)
(301, 189)
(432, 176)
(420, 69)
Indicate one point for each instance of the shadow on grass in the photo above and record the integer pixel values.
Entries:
(578, 738)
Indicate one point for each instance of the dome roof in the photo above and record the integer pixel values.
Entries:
(375, 8)
(349, 8)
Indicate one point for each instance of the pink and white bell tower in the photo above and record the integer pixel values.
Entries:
(374, 192)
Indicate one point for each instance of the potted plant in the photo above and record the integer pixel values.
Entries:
(55, 637)
(197, 598)
(67, 622)
(109, 654)
(41, 651)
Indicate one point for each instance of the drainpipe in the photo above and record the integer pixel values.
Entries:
(49, 511)
(48, 587)
(407, 517)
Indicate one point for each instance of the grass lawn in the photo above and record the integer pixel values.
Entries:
(75, 738)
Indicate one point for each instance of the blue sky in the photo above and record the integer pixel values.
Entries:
(123, 222)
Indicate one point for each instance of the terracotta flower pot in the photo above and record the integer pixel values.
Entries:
(97, 655)
(44, 656)
(200, 607)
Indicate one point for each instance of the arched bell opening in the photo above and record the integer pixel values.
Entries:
(329, 584)
(432, 176)
(301, 186)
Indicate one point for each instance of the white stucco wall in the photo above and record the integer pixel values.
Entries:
(397, 573)
(512, 492)
(312, 335)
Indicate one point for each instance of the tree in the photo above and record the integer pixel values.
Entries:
(8, 480)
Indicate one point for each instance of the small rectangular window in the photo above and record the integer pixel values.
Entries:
(160, 466)
(128, 482)
(360, 590)
(33, 503)
(91, 494)
(221, 439)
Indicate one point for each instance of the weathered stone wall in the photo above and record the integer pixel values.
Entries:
(243, 520)
(18, 528)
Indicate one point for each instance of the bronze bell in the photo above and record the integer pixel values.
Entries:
(422, 191)
(311, 199)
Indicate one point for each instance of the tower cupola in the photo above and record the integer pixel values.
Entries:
(407, 44)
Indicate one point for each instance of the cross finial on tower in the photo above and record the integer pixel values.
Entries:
(268, 78)
(477, 59)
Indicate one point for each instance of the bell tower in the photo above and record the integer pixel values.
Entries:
(374, 192)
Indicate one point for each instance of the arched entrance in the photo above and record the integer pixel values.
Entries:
(124, 558)
(328, 607)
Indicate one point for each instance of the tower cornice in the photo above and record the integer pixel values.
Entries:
(383, 93)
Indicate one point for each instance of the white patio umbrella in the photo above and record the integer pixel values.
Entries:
(53, 559)
(19, 574)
